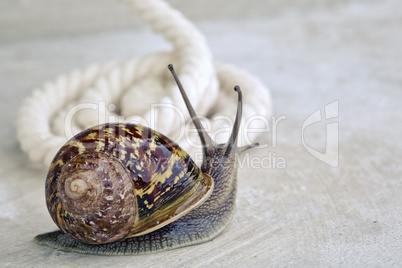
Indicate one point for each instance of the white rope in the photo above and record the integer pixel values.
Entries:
(127, 89)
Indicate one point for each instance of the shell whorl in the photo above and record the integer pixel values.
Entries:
(76, 187)
(97, 199)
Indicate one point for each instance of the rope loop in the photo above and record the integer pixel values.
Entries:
(141, 90)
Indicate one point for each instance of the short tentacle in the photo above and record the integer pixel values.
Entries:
(247, 147)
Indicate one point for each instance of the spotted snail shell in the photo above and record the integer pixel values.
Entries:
(127, 189)
(121, 180)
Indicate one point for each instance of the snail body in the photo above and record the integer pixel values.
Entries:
(124, 189)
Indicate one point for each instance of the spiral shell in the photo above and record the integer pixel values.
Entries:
(121, 180)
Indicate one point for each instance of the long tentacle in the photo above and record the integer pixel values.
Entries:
(204, 137)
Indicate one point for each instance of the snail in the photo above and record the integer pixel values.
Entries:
(125, 189)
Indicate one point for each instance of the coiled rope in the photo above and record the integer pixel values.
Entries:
(123, 91)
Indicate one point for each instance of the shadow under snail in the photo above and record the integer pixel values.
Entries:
(125, 189)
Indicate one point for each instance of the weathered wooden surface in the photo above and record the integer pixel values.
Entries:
(305, 214)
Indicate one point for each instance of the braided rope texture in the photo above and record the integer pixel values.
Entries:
(71, 102)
